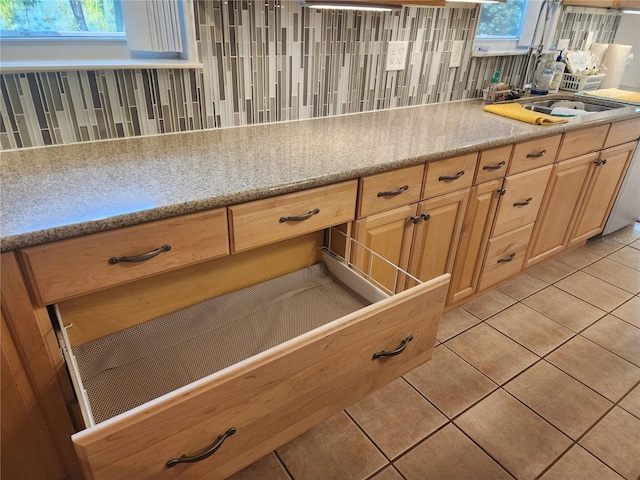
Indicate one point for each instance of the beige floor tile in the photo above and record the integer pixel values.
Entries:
(334, 450)
(616, 336)
(449, 455)
(388, 473)
(454, 322)
(267, 467)
(495, 355)
(577, 257)
(488, 304)
(602, 246)
(625, 235)
(597, 368)
(558, 398)
(616, 274)
(449, 382)
(517, 438)
(635, 244)
(564, 308)
(594, 291)
(629, 311)
(627, 256)
(551, 271)
(396, 417)
(631, 403)
(578, 464)
(615, 440)
(530, 329)
(522, 286)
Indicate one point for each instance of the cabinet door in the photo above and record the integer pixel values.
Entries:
(483, 201)
(435, 240)
(389, 235)
(601, 192)
(559, 204)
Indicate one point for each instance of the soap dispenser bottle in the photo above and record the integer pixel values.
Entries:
(493, 87)
(544, 74)
(558, 72)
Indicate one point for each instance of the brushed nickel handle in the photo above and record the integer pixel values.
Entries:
(393, 193)
(393, 353)
(522, 204)
(204, 455)
(537, 155)
(451, 177)
(415, 219)
(600, 162)
(141, 258)
(497, 166)
(299, 218)
(508, 259)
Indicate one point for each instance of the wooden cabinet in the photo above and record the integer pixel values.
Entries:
(385, 191)
(558, 208)
(449, 175)
(493, 164)
(534, 154)
(603, 3)
(505, 256)
(580, 142)
(600, 191)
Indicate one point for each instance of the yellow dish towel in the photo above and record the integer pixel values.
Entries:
(518, 112)
(615, 94)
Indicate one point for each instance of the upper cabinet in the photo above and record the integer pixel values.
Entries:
(604, 3)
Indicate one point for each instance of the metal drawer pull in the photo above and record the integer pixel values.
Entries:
(140, 258)
(415, 220)
(494, 167)
(453, 177)
(600, 162)
(537, 155)
(502, 191)
(206, 454)
(508, 259)
(299, 218)
(425, 216)
(522, 204)
(393, 193)
(395, 352)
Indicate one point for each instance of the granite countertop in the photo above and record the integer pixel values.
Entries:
(57, 192)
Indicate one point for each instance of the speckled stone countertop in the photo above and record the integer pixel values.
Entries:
(52, 193)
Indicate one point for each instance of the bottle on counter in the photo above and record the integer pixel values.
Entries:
(493, 87)
(558, 72)
(544, 74)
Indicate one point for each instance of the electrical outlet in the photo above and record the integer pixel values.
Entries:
(397, 55)
(563, 44)
(456, 53)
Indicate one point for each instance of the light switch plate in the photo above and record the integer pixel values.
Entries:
(563, 44)
(456, 53)
(397, 55)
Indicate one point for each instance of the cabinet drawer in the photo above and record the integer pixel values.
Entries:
(449, 175)
(265, 221)
(385, 191)
(68, 268)
(493, 164)
(534, 154)
(521, 200)
(505, 256)
(623, 132)
(269, 398)
(581, 142)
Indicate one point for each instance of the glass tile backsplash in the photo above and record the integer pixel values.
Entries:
(269, 61)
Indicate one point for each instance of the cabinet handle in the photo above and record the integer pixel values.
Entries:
(508, 259)
(415, 219)
(494, 167)
(395, 352)
(206, 454)
(451, 177)
(393, 193)
(522, 204)
(600, 162)
(140, 258)
(425, 216)
(299, 218)
(502, 191)
(537, 155)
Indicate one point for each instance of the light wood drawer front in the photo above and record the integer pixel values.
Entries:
(270, 398)
(253, 224)
(493, 164)
(505, 256)
(534, 154)
(389, 190)
(449, 175)
(581, 142)
(522, 199)
(65, 269)
(623, 132)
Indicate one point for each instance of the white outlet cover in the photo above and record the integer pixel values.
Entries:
(563, 44)
(456, 53)
(397, 55)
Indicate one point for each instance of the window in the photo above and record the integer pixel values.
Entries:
(507, 28)
(56, 34)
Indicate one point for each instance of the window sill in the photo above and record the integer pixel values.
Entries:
(131, 64)
(499, 53)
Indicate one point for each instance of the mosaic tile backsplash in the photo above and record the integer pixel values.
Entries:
(270, 61)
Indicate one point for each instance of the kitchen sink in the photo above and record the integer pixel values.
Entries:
(546, 106)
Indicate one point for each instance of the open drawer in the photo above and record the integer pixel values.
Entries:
(211, 388)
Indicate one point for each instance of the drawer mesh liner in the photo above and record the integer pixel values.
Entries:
(131, 367)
